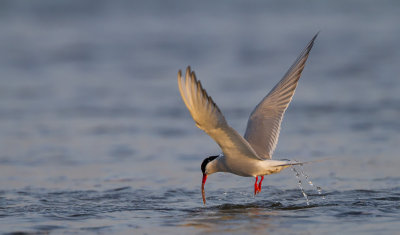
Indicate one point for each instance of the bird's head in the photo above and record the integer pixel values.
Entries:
(206, 169)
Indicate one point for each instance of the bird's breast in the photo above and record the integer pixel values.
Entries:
(252, 167)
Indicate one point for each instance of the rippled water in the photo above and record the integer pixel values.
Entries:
(95, 138)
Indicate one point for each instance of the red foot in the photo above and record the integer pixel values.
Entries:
(259, 184)
(257, 187)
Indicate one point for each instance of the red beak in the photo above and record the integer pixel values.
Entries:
(202, 188)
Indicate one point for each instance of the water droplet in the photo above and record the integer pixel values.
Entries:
(299, 183)
(319, 189)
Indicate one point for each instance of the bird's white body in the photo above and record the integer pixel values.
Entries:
(248, 168)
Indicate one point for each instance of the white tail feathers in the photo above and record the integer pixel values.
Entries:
(293, 163)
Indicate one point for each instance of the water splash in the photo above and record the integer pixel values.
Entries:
(317, 188)
(299, 183)
(300, 173)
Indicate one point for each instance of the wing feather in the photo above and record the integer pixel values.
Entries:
(209, 118)
(264, 123)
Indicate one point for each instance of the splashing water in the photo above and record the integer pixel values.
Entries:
(300, 172)
(299, 183)
(317, 188)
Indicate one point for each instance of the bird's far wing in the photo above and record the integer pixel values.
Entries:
(209, 118)
(264, 123)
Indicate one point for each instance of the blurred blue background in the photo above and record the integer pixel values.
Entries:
(89, 101)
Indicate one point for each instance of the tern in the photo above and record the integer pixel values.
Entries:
(250, 155)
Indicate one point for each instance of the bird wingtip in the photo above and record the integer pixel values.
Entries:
(316, 35)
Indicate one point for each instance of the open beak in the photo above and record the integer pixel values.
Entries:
(202, 188)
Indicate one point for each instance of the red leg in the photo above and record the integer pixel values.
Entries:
(259, 184)
(256, 186)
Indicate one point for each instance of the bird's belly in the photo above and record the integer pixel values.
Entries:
(252, 168)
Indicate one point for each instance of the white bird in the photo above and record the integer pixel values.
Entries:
(248, 156)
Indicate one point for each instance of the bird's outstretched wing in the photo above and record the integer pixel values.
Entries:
(264, 123)
(209, 118)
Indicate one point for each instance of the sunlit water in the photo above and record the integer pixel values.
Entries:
(95, 138)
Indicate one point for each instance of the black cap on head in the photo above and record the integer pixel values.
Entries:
(205, 162)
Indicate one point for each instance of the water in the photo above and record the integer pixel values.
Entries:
(300, 173)
(300, 184)
(94, 136)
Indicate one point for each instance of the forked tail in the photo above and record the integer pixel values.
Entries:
(294, 163)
